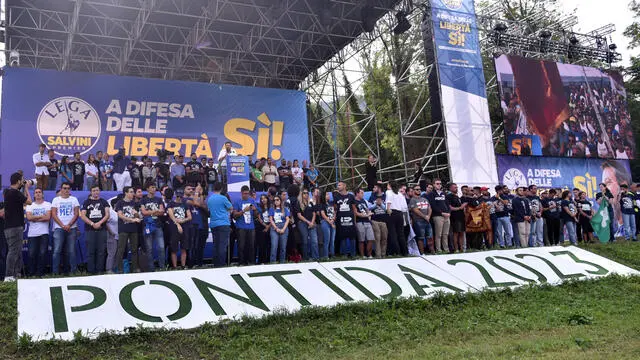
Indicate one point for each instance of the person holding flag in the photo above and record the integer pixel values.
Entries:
(601, 220)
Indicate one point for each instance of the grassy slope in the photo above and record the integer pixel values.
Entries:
(593, 319)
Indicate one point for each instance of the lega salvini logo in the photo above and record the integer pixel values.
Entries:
(452, 4)
(68, 125)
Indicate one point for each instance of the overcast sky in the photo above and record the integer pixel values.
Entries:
(593, 14)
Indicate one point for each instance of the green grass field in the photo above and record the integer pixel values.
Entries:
(580, 320)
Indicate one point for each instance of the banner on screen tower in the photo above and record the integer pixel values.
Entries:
(566, 173)
(82, 112)
(462, 96)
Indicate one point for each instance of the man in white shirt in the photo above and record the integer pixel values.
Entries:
(222, 160)
(620, 153)
(41, 162)
(65, 210)
(112, 237)
(38, 215)
(297, 173)
(603, 152)
(270, 173)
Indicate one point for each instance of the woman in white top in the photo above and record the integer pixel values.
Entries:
(297, 173)
(38, 215)
(396, 241)
(91, 170)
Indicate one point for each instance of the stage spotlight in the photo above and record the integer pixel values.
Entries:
(368, 18)
(14, 58)
(613, 47)
(573, 40)
(500, 27)
(403, 23)
(545, 35)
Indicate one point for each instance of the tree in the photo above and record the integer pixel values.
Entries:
(632, 85)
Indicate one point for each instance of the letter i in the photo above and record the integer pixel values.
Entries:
(278, 130)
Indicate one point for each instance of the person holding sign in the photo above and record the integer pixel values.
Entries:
(244, 211)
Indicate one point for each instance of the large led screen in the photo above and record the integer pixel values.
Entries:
(555, 109)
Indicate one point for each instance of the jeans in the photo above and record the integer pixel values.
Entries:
(38, 246)
(571, 229)
(90, 182)
(14, 251)
(66, 240)
(157, 236)
(537, 232)
(309, 241)
(220, 244)
(629, 221)
(96, 250)
(279, 245)
(53, 183)
(329, 237)
(422, 229)
(505, 231)
(246, 246)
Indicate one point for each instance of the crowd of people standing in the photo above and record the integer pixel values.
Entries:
(282, 216)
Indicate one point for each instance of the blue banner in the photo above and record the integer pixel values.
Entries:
(237, 174)
(83, 112)
(458, 45)
(462, 94)
(564, 173)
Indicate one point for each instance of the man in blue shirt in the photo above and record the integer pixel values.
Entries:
(219, 222)
(177, 173)
(244, 211)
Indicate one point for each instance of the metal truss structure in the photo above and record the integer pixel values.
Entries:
(325, 89)
(262, 43)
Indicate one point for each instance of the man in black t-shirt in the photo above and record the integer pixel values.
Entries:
(551, 212)
(379, 223)
(95, 214)
(128, 219)
(15, 198)
(284, 172)
(363, 224)
(136, 172)
(457, 218)
(78, 172)
(371, 171)
(53, 171)
(194, 170)
(152, 210)
(211, 175)
(345, 224)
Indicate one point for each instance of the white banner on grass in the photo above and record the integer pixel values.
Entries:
(62, 307)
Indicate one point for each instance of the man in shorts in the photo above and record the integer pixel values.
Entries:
(363, 225)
